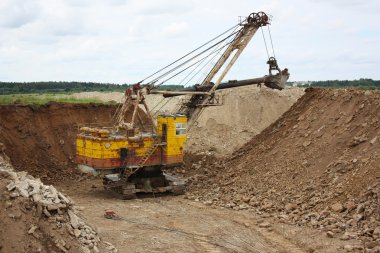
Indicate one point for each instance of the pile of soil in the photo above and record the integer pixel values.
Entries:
(318, 165)
(245, 112)
(37, 218)
(41, 139)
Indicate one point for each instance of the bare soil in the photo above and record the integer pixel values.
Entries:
(173, 224)
(41, 139)
(309, 182)
(244, 113)
(18, 220)
(318, 165)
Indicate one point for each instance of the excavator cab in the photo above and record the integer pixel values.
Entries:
(172, 130)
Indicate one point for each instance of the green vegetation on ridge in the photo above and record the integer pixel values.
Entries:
(40, 99)
(364, 83)
(66, 87)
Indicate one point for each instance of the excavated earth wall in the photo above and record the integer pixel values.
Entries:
(41, 139)
(317, 165)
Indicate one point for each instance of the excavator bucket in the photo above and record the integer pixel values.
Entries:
(277, 81)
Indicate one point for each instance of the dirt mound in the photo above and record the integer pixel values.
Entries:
(41, 139)
(245, 112)
(317, 165)
(37, 218)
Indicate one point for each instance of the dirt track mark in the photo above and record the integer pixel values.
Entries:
(172, 224)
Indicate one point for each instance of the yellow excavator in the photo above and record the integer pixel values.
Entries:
(132, 154)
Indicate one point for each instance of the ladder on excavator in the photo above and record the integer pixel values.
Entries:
(130, 170)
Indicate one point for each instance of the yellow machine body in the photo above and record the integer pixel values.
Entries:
(101, 149)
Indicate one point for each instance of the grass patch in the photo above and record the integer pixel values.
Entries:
(40, 99)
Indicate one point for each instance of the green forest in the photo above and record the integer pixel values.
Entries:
(7, 88)
(364, 83)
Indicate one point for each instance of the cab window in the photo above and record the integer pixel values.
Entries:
(180, 128)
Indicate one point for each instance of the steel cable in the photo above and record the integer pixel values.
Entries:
(172, 63)
(187, 61)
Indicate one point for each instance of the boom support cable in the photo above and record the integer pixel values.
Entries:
(265, 42)
(191, 65)
(192, 58)
(172, 63)
(204, 66)
(271, 42)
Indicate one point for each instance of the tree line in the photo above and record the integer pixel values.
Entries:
(365, 83)
(7, 88)
(71, 87)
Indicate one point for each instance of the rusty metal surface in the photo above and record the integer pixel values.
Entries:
(277, 81)
(112, 163)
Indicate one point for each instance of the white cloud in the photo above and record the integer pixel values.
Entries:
(16, 13)
(160, 7)
(175, 29)
(123, 41)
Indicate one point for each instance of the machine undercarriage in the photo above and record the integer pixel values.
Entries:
(147, 180)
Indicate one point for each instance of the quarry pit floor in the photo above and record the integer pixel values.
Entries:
(175, 224)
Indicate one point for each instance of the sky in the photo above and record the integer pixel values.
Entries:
(123, 41)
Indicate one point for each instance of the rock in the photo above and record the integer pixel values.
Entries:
(330, 234)
(360, 208)
(373, 140)
(77, 232)
(264, 225)
(306, 143)
(337, 207)
(61, 247)
(358, 217)
(35, 185)
(52, 207)
(74, 220)
(23, 192)
(36, 198)
(95, 249)
(344, 237)
(32, 229)
(207, 202)
(110, 247)
(14, 195)
(46, 212)
(290, 207)
(85, 249)
(11, 186)
(372, 245)
(246, 199)
(63, 198)
(376, 232)
(8, 204)
(350, 205)
(243, 206)
(348, 248)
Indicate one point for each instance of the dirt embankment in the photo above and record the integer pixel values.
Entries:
(245, 112)
(318, 165)
(41, 139)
